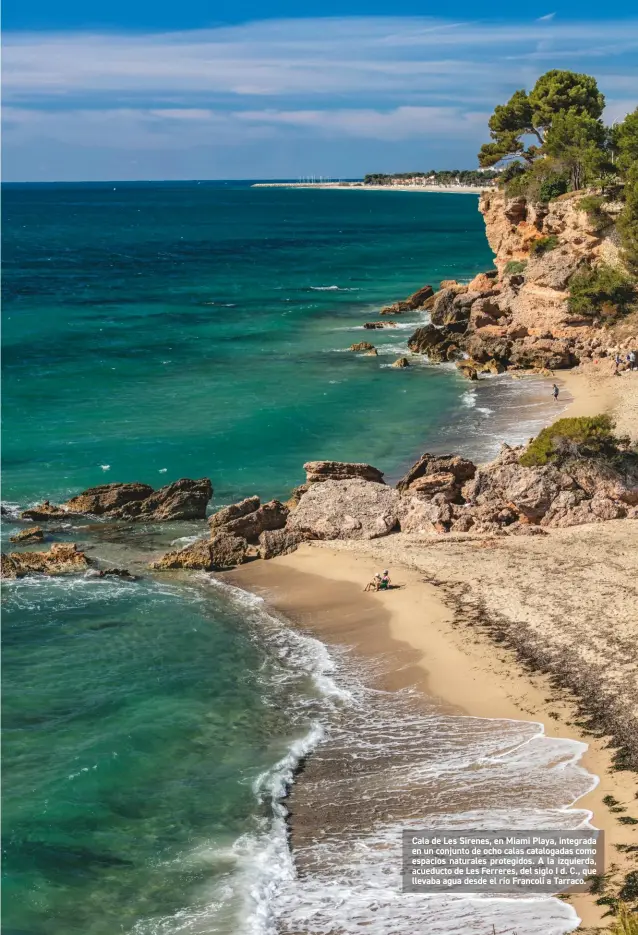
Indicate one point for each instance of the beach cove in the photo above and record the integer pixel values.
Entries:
(395, 677)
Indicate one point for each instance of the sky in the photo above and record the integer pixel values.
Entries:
(134, 89)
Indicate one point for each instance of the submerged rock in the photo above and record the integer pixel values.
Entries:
(30, 534)
(63, 558)
(401, 362)
(362, 346)
(112, 573)
(372, 325)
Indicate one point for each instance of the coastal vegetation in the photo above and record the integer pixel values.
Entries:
(582, 436)
(434, 177)
(603, 291)
(544, 245)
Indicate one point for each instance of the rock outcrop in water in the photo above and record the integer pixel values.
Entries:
(236, 533)
(418, 300)
(219, 552)
(182, 500)
(62, 558)
(30, 534)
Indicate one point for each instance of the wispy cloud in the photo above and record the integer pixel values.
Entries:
(364, 78)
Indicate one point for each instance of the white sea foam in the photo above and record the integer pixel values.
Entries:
(334, 288)
(414, 767)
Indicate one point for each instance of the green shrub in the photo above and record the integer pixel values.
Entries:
(626, 922)
(514, 267)
(586, 436)
(592, 205)
(552, 187)
(602, 291)
(544, 245)
(518, 185)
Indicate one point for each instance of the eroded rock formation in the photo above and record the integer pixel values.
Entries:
(63, 558)
(317, 471)
(184, 499)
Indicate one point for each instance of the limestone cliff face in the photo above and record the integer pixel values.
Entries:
(539, 301)
(512, 226)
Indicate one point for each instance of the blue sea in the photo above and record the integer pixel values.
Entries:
(151, 728)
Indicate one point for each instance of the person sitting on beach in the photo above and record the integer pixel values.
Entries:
(375, 584)
(555, 391)
(385, 581)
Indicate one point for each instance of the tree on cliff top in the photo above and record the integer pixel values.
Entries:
(524, 115)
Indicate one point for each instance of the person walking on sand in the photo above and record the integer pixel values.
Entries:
(555, 391)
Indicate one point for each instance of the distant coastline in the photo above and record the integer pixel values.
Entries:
(360, 186)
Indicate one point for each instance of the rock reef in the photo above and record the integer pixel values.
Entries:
(182, 500)
(61, 559)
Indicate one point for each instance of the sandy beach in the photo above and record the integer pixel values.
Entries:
(532, 628)
(358, 186)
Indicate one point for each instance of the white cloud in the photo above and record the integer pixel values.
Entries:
(357, 81)
(292, 57)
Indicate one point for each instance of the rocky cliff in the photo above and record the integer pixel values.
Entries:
(518, 316)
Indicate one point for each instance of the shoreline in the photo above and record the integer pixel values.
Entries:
(358, 186)
(466, 667)
(457, 666)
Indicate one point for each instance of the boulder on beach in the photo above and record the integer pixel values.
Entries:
(218, 552)
(30, 534)
(63, 558)
(433, 474)
(318, 471)
(279, 542)
(346, 509)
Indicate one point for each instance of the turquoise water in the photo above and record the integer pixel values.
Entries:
(195, 330)
(153, 332)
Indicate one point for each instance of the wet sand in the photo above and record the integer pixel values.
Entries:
(319, 588)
